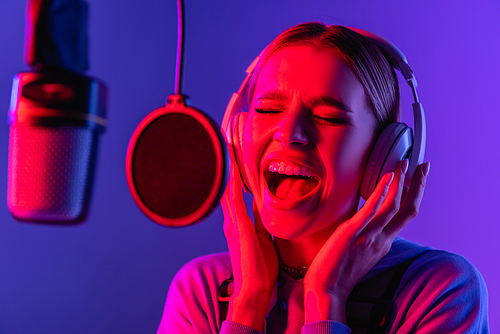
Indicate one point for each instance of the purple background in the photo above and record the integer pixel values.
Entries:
(111, 274)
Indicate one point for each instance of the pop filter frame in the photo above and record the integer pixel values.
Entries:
(151, 199)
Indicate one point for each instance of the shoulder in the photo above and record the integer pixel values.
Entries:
(443, 276)
(203, 273)
(429, 264)
(211, 265)
(192, 304)
(444, 290)
(442, 268)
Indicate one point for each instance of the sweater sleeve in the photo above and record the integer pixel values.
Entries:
(325, 327)
(318, 327)
(192, 305)
(441, 293)
(229, 327)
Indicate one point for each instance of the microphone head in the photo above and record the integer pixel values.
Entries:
(176, 164)
(55, 121)
(50, 172)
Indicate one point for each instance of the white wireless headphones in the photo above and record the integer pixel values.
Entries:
(395, 143)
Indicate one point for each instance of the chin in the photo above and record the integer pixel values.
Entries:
(284, 224)
(290, 225)
(303, 222)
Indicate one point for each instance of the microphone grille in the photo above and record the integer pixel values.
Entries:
(50, 172)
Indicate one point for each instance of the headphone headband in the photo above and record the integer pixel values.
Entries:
(397, 60)
(393, 55)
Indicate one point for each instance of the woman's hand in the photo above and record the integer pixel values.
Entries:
(254, 259)
(359, 243)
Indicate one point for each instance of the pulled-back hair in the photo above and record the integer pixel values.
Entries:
(364, 59)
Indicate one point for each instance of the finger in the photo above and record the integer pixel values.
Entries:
(233, 204)
(372, 205)
(236, 191)
(234, 180)
(409, 209)
(405, 193)
(392, 201)
(259, 226)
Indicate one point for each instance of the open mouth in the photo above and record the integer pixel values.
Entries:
(290, 181)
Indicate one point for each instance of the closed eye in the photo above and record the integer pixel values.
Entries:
(267, 111)
(333, 119)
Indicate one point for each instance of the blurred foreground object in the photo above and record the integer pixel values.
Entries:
(56, 115)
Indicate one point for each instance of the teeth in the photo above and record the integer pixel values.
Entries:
(288, 168)
(281, 168)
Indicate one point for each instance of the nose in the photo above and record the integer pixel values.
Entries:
(292, 130)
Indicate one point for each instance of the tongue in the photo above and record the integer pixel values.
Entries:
(291, 188)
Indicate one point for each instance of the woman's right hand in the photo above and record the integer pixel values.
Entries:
(254, 259)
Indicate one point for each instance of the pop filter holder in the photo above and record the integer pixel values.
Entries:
(175, 163)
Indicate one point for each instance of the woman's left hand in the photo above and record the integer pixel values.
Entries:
(359, 243)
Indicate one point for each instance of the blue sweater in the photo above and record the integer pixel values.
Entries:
(440, 292)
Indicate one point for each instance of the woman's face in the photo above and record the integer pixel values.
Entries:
(305, 141)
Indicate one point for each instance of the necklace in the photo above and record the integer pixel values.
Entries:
(293, 272)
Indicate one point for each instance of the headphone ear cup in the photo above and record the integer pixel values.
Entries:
(393, 145)
(237, 125)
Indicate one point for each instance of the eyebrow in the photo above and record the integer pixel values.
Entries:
(322, 100)
(325, 100)
(273, 95)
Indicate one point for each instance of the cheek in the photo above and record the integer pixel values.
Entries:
(354, 156)
(345, 159)
(255, 138)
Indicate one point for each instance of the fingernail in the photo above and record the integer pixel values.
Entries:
(389, 179)
(404, 166)
(427, 168)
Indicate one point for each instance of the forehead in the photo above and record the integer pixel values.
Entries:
(308, 72)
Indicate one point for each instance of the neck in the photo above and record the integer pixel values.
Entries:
(300, 252)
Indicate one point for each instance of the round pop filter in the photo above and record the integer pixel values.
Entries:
(176, 164)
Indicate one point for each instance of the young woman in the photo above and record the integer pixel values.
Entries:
(311, 261)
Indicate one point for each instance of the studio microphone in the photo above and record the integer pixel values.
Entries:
(56, 116)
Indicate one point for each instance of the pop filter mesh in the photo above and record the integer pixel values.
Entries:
(174, 165)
